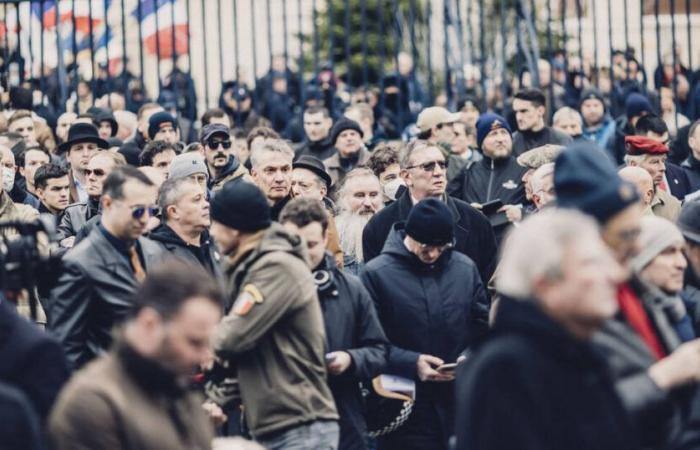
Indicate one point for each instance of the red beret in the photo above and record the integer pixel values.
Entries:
(642, 145)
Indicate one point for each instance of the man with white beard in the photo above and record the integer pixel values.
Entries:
(359, 198)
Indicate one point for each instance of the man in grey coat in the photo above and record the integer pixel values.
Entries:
(100, 274)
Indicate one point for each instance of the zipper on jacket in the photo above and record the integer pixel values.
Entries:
(488, 190)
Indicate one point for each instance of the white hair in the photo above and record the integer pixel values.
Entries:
(636, 159)
(566, 112)
(270, 145)
(536, 249)
(538, 176)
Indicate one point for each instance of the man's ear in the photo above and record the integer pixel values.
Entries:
(21, 171)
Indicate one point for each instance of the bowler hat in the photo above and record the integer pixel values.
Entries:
(82, 132)
(315, 165)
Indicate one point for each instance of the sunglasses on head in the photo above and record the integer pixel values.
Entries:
(215, 144)
(430, 166)
(137, 212)
(97, 172)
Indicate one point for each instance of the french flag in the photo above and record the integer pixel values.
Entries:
(170, 14)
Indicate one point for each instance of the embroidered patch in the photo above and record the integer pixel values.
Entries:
(510, 184)
(247, 299)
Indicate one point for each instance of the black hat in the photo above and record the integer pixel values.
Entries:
(158, 119)
(82, 132)
(585, 179)
(430, 222)
(242, 206)
(211, 129)
(315, 165)
(105, 115)
(689, 221)
(344, 124)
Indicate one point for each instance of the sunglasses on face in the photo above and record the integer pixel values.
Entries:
(215, 144)
(430, 166)
(97, 172)
(137, 212)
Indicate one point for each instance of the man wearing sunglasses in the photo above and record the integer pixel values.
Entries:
(642, 345)
(101, 273)
(78, 214)
(222, 163)
(423, 169)
(423, 288)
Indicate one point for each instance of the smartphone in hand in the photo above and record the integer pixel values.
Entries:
(447, 368)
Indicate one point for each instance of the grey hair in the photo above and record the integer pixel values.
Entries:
(410, 149)
(566, 111)
(547, 235)
(270, 145)
(170, 192)
(359, 172)
(636, 159)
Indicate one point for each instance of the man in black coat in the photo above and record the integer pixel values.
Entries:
(433, 306)
(356, 343)
(536, 383)
(100, 274)
(183, 231)
(424, 171)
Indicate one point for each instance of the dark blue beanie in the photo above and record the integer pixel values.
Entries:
(155, 121)
(242, 206)
(636, 104)
(488, 122)
(430, 222)
(585, 179)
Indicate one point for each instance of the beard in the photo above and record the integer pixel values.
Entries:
(350, 227)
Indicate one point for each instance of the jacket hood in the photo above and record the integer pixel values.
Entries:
(231, 167)
(395, 247)
(278, 239)
(166, 235)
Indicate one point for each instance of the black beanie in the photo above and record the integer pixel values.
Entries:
(344, 124)
(242, 206)
(157, 119)
(585, 179)
(430, 222)
(591, 94)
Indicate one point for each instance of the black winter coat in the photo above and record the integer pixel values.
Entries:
(205, 255)
(473, 234)
(532, 386)
(438, 309)
(527, 140)
(678, 182)
(351, 326)
(691, 166)
(322, 149)
(490, 179)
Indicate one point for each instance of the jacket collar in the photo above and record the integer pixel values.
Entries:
(405, 203)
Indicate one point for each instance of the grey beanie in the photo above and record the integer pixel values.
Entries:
(657, 234)
(187, 164)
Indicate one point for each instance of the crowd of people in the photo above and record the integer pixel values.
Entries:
(360, 270)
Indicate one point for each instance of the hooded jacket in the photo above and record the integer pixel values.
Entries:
(439, 309)
(204, 255)
(274, 334)
(233, 170)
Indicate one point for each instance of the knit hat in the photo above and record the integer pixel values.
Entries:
(636, 104)
(344, 124)
(242, 206)
(689, 221)
(105, 115)
(430, 222)
(591, 94)
(435, 115)
(586, 180)
(157, 120)
(487, 123)
(657, 234)
(642, 145)
(187, 164)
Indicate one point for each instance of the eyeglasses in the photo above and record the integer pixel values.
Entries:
(441, 248)
(215, 144)
(430, 166)
(137, 212)
(97, 172)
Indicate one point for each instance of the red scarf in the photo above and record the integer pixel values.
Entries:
(632, 309)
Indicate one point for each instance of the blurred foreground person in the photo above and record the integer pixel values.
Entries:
(135, 396)
(536, 383)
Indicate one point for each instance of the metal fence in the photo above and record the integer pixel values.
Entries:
(459, 47)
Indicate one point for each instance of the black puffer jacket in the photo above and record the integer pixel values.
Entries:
(204, 255)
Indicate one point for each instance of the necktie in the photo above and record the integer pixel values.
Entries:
(139, 273)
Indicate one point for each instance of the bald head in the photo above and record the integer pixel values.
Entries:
(642, 180)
